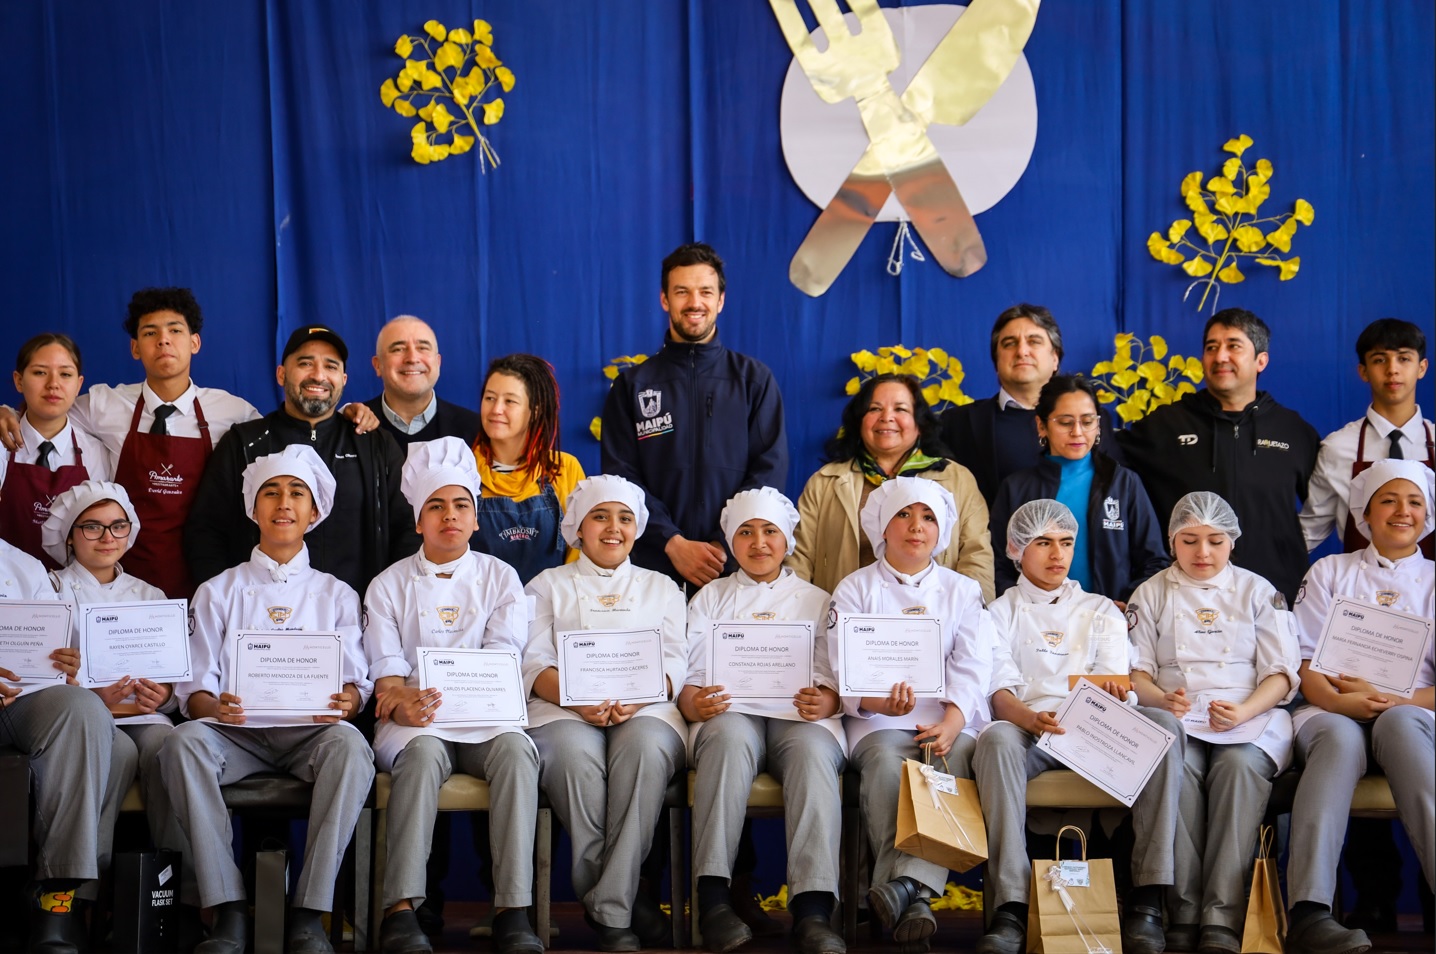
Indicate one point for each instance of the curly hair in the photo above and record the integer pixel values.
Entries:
(147, 301)
(847, 444)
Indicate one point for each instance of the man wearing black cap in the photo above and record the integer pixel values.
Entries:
(371, 524)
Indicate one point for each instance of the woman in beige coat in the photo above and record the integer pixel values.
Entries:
(888, 431)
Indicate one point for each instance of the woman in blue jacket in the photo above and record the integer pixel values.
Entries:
(1124, 542)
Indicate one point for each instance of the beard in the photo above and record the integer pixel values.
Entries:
(312, 406)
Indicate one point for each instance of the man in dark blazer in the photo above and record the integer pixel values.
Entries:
(407, 360)
(997, 436)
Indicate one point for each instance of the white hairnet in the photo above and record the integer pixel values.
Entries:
(444, 462)
(893, 495)
(1365, 485)
(604, 488)
(296, 460)
(760, 503)
(1033, 519)
(1202, 508)
(67, 506)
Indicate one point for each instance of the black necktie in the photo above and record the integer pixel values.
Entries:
(162, 412)
(46, 449)
(1396, 446)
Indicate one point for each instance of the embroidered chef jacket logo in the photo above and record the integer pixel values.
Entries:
(1131, 615)
(1186, 440)
(1207, 617)
(765, 615)
(1387, 597)
(608, 600)
(1112, 514)
(448, 615)
(279, 615)
(1053, 638)
(650, 402)
(915, 611)
(1300, 594)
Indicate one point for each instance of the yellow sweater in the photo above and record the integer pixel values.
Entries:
(518, 485)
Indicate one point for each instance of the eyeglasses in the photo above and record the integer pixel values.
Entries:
(94, 531)
(1087, 422)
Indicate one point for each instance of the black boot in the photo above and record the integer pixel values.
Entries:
(306, 933)
(56, 925)
(230, 931)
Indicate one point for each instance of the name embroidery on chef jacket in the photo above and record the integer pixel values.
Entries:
(915, 611)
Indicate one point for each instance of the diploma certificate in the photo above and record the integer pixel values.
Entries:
(145, 640)
(877, 652)
(760, 660)
(287, 674)
(29, 633)
(597, 666)
(1108, 743)
(480, 687)
(1381, 645)
(1197, 723)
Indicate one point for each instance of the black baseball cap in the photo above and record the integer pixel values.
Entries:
(315, 333)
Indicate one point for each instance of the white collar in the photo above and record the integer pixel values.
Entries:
(64, 440)
(1032, 593)
(420, 421)
(1370, 555)
(280, 572)
(84, 577)
(1219, 582)
(1004, 399)
(743, 579)
(1413, 431)
(434, 569)
(914, 579)
(183, 405)
(587, 567)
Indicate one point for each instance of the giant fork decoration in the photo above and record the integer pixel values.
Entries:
(960, 76)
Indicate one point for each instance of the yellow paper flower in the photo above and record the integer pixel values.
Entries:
(1135, 381)
(493, 112)
(939, 373)
(435, 29)
(404, 46)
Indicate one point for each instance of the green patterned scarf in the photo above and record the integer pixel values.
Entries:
(916, 463)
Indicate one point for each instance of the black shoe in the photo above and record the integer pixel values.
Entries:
(306, 933)
(916, 925)
(1142, 930)
(1320, 933)
(653, 927)
(431, 917)
(400, 933)
(512, 935)
(230, 932)
(1378, 917)
(891, 901)
(814, 934)
(747, 907)
(613, 938)
(1007, 935)
(55, 933)
(1216, 939)
(722, 929)
(1182, 938)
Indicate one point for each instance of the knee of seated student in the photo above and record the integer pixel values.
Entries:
(423, 751)
(1401, 723)
(516, 752)
(349, 749)
(190, 747)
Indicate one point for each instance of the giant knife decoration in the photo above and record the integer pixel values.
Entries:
(960, 76)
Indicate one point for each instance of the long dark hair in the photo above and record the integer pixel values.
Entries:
(847, 444)
(1104, 468)
(542, 460)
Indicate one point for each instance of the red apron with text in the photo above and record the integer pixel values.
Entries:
(25, 500)
(161, 473)
(1351, 538)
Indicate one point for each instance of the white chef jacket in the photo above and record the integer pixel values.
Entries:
(1408, 585)
(106, 413)
(572, 597)
(22, 577)
(247, 598)
(967, 641)
(92, 454)
(740, 597)
(1218, 639)
(79, 586)
(481, 606)
(1328, 492)
(1040, 643)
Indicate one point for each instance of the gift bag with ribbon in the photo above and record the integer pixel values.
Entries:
(1073, 907)
(939, 818)
(1265, 930)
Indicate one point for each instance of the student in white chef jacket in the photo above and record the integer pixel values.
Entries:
(75, 731)
(906, 520)
(287, 494)
(799, 741)
(1215, 640)
(1347, 718)
(89, 529)
(605, 767)
(1048, 629)
(450, 597)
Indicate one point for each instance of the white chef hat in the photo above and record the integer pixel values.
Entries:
(893, 495)
(1202, 508)
(1033, 519)
(759, 503)
(67, 506)
(1365, 485)
(431, 465)
(605, 488)
(296, 460)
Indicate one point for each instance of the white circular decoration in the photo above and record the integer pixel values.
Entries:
(823, 141)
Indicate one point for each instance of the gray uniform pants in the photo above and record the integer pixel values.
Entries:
(1224, 795)
(878, 757)
(1333, 751)
(68, 735)
(510, 765)
(606, 786)
(1007, 758)
(199, 757)
(805, 759)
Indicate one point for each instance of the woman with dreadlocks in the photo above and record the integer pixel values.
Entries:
(525, 477)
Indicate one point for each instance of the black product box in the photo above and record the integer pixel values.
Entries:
(146, 892)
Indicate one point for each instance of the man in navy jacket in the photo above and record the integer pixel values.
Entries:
(693, 425)
(407, 360)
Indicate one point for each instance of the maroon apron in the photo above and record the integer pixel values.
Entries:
(25, 500)
(161, 473)
(1352, 539)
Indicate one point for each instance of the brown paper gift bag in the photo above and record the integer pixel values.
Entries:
(1265, 930)
(936, 825)
(1063, 918)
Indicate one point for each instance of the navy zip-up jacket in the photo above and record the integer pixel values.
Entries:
(692, 426)
(1124, 540)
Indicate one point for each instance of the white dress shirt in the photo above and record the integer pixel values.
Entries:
(420, 421)
(106, 412)
(22, 577)
(92, 453)
(1328, 493)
